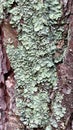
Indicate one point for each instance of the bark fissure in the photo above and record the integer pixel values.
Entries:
(7, 84)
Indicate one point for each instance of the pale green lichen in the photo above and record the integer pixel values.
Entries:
(33, 61)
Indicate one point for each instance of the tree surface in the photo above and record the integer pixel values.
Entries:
(37, 37)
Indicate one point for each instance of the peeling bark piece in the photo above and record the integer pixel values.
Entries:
(10, 84)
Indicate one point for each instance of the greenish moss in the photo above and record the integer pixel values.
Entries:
(33, 60)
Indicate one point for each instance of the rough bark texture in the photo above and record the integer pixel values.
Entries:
(8, 118)
(65, 70)
(7, 83)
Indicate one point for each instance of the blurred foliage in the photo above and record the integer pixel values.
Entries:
(34, 60)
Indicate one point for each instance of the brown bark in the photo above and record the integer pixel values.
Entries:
(65, 69)
(7, 83)
(8, 119)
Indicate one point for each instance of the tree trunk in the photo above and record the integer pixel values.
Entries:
(7, 83)
(8, 119)
(65, 70)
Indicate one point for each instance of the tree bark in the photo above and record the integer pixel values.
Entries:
(65, 69)
(7, 84)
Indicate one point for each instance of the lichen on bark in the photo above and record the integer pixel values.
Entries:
(42, 43)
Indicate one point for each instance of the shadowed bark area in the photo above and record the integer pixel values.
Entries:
(65, 70)
(7, 83)
(8, 119)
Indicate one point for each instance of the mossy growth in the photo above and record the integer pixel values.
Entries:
(34, 60)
